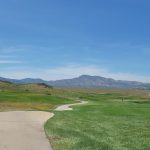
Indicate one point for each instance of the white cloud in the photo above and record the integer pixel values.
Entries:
(13, 49)
(10, 62)
(5, 56)
(70, 72)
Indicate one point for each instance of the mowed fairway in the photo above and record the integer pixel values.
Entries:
(105, 123)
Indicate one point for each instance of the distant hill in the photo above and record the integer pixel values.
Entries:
(26, 80)
(5, 82)
(86, 81)
(27, 87)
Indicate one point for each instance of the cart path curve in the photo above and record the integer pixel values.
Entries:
(68, 106)
(24, 130)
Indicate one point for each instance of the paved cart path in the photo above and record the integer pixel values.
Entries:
(68, 106)
(23, 130)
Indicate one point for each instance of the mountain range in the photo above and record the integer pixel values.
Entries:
(85, 81)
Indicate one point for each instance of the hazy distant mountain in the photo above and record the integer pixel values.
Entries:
(23, 81)
(30, 80)
(86, 81)
(7, 80)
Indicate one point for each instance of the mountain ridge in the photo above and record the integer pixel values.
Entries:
(85, 81)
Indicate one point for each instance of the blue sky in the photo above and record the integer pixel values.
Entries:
(57, 39)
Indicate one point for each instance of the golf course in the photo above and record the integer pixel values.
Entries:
(74, 75)
(107, 120)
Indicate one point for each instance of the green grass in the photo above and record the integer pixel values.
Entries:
(31, 97)
(105, 123)
(30, 101)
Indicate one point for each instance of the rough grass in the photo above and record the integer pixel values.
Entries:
(31, 97)
(102, 124)
(25, 106)
(30, 101)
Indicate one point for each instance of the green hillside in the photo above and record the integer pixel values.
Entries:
(29, 97)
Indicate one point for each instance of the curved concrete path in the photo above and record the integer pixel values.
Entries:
(67, 106)
(23, 130)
